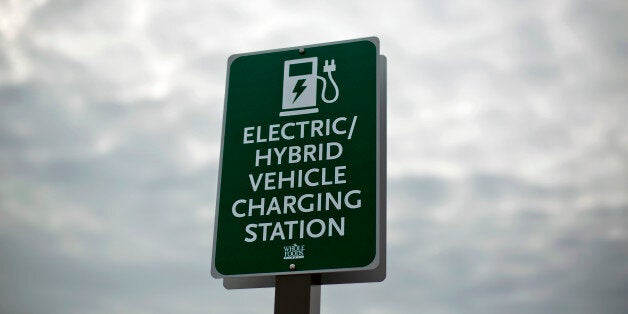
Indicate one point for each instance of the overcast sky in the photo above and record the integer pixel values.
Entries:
(508, 150)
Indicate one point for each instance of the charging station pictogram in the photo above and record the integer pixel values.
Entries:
(300, 85)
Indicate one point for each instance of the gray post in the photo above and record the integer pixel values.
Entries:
(297, 294)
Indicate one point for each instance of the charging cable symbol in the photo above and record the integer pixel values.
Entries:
(300, 79)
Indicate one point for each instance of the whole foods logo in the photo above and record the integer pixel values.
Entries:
(294, 251)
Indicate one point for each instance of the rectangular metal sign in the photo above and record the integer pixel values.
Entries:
(299, 186)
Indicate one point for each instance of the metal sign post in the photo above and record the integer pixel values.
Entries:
(297, 294)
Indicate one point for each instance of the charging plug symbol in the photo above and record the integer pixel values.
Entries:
(300, 85)
(328, 68)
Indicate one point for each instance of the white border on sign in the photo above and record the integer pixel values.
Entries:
(378, 197)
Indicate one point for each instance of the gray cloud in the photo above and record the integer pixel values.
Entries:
(507, 149)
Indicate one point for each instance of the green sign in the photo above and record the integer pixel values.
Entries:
(298, 187)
